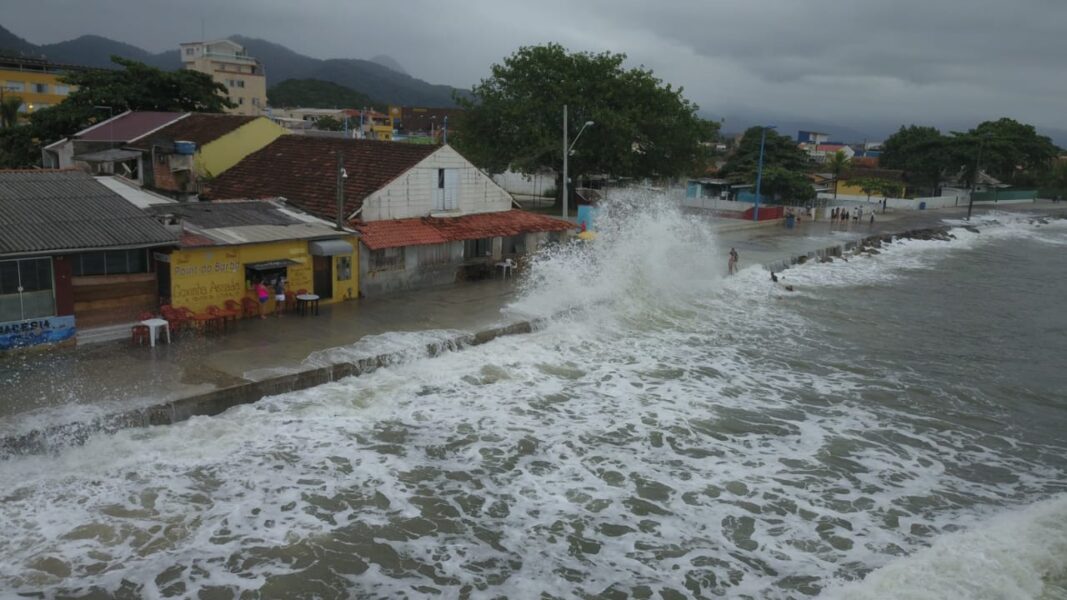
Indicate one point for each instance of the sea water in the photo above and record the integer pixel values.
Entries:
(893, 428)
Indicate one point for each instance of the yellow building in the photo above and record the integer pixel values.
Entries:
(35, 81)
(228, 247)
(218, 143)
(228, 64)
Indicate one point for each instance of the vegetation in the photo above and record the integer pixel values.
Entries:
(838, 163)
(879, 186)
(315, 93)
(1010, 151)
(9, 110)
(329, 124)
(135, 86)
(642, 128)
(785, 166)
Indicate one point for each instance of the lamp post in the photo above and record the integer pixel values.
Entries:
(566, 153)
(759, 169)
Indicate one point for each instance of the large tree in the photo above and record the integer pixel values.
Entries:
(923, 153)
(101, 93)
(784, 165)
(1010, 151)
(838, 163)
(642, 127)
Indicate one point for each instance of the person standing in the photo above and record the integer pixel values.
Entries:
(263, 294)
(731, 264)
(279, 295)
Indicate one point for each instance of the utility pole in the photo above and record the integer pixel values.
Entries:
(759, 171)
(565, 149)
(341, 175)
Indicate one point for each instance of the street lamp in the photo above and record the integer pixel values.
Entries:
(759, 169)
(566, 152)
(974, 180)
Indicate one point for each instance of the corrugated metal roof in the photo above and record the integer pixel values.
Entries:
(248, 222)
(42, 211)
(127, 126)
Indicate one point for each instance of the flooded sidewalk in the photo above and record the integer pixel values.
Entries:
(94, 382)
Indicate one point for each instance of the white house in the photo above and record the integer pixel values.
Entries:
(426, 215)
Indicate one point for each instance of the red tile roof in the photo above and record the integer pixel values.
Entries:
(189, 240)
(303, 170)
(201, 128)
(395, 233)
(128, 126)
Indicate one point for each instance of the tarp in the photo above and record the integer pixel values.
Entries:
(329, 248)
(271, 264)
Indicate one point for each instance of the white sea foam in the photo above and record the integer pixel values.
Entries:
(677, 431)
(1018, 555)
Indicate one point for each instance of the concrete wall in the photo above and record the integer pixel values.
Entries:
(411, 194)
(527, 185)
(932, 202)
(414, 274)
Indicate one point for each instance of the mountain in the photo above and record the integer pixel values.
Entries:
(384, 83)
(13, 44)
(388, 62)
(313, 93)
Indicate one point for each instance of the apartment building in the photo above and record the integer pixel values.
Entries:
(228, 64)
(35, 81)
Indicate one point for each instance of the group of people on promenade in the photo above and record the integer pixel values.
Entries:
(846, 215)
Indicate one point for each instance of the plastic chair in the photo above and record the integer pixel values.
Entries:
(250, 306)
(290, 301)
(301, 292)
(234, 306)
(224, 316)
(139, 334)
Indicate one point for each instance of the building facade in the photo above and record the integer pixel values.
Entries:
(228, 64)
(36, 81)
(73, 255)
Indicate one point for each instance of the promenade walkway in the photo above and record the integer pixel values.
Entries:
(79, 384)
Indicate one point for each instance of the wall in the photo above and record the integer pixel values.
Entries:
(527, 185)
(212, 275)
(411, 194)
(412, 276)
(221, 154)
(112, 299)
(28, 78)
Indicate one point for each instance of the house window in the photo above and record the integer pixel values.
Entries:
(111, 262)
(515, 244)
(26, 289)
(446, 190)
(435, 254)
(240, 83)
(39, 88)
(387, 259)
(478, 248)
(15, 86)
(241, 101)
(190, 51)
(62, 90)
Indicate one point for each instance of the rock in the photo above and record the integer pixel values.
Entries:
(872, 252)
(826, 259)
(802, 259)
(971, 228)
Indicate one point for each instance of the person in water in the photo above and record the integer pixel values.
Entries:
(731, 264)
(774, 278)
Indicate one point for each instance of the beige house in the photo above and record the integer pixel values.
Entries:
(227, 63)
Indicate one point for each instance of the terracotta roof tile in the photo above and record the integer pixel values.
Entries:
(395, 233)
(201, 128)
(303, 170)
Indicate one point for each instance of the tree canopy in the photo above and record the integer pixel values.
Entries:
(921, 152)
(784, 165)
(134, 87)
(642, 127)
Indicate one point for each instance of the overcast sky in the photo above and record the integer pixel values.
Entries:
(853, 62)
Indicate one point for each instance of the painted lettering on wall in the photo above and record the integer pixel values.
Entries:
(45, 330)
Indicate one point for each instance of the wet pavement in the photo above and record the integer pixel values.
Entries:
(110, 377)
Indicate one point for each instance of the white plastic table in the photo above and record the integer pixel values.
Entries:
(152, 325)
(307, 303)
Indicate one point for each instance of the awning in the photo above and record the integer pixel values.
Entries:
(271, 264)
(329, 248)
(110, 155)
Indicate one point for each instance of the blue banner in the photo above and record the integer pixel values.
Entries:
(31, 332)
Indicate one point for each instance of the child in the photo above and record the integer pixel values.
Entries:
(263, 295)
(279, 296)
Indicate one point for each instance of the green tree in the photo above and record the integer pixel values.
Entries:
(9, 110)
(134, 87)
(329, 123)
(1010, 151)
(923, 153)
(642, 128)
(838, 163)
(17, 149)
(784, 165)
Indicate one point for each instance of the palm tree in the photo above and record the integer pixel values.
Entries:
(838, 162)
(9, 110)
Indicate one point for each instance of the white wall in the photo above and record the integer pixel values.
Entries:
(716, 204)
(847, 200)
(411, 194)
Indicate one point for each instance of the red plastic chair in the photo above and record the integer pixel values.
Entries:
(139, 334)
(251, 307)
(224, 316)
(234, 306)
(290, 301)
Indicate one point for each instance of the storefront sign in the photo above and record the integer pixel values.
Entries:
(31, 332)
